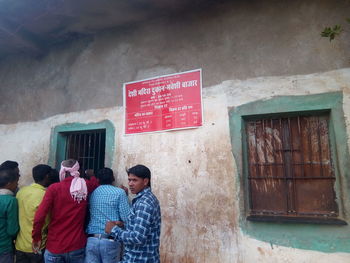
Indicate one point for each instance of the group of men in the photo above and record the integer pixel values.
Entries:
(66, 217)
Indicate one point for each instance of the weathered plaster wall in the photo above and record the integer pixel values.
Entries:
(265, 252)
(327, 238)
(232, 40)
(239, 45)
(194, 171)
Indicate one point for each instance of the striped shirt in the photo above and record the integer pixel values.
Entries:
(142, 233)
(107, 203)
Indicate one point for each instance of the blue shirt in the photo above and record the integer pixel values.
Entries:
(107, 203)
(142, 233)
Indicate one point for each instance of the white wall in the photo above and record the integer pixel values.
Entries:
(194, 172)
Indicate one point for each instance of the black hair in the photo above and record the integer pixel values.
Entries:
(40, 171)
(7, 176)
(8, 165)
(140, 171)
(105, 176)
(54, 176)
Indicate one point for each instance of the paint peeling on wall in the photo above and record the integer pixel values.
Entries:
(194, 172)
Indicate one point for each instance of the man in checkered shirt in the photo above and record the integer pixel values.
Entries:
(142, 227)
(106, 203)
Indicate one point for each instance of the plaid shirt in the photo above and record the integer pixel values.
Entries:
(142, 233)
(107, 203)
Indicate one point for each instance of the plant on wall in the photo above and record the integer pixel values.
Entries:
(336, 30)
(332, 32)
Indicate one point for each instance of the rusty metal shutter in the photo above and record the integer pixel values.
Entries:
(290, 167)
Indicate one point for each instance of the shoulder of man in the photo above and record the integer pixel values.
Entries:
(116, 189)
(53, 187)
(8, 199)
(106, 190)
(23, 189)
(28, 190)
(148, 199)
(119, 190)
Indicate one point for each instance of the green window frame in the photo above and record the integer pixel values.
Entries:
(303, 235)
(59, 138)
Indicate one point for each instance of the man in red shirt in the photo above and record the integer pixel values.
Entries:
(66, 202)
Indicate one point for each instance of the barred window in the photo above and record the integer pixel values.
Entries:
(87, 147)
(290, 170)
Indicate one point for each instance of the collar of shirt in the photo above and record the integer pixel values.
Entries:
(39, 186)
(4, 191)
(68, 179)
(141, 193)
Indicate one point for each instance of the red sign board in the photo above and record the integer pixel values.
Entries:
(163, 103)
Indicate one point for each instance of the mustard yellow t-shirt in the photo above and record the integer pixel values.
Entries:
(29, 198)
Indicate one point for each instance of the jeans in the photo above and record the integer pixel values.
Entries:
(6, 257)
(102, 250)
(76, 256)
(25, 257)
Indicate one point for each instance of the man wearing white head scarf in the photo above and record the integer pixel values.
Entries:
(67, 204)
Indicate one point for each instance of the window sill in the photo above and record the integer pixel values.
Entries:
(302, 220)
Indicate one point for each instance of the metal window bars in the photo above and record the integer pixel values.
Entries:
(87, 147)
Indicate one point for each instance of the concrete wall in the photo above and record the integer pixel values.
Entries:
(232, 40)
(194, 172)
(248, 52)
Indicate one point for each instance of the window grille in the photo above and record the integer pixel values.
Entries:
(290, 167)
(87, 147)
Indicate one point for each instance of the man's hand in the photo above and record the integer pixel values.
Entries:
(111, 224)
(36, 247)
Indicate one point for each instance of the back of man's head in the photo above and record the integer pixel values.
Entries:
(40, 172)
(140, 171)
(105, 176)
(8, 165)
(69, 163)
(7, 176)
(69, 167)
(54, 176)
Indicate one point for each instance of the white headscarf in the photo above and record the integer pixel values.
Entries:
(78, 188)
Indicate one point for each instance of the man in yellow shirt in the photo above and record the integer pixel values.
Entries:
(29, 199)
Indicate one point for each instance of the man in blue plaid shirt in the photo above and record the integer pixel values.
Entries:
(106, 203)
(142, 227)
